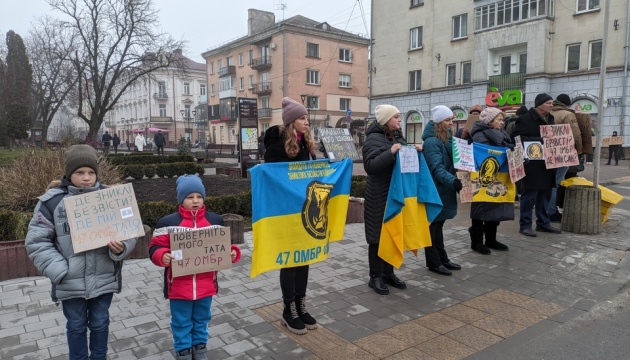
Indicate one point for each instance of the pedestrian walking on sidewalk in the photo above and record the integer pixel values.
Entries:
(438, 151)
(189, 296)
(292, 142)
(384, 140)
(486, 216)
(83, 282)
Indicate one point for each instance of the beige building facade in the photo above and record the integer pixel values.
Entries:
(454, 53)
(323, 67)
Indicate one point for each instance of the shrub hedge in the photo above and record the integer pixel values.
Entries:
(144, 159)
(14, 225)
(166, 170)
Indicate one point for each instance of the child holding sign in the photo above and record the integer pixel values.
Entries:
(83, 282)
(190, 296)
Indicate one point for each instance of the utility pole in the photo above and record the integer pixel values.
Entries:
(600, 110)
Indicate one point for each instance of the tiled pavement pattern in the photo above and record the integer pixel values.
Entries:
(540, 283)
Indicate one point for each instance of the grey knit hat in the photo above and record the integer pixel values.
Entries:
(78, 156)
(292, 110)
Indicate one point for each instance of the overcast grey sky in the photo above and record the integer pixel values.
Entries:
(206, 23)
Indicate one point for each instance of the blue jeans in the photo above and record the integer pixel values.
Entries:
(560, 173)
(82, 314)
(189, 322)
(529, 199)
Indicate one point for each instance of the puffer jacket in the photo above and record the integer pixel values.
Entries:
(88, 274)
(274, 147)
(490, 211)
(378, 162)
(187, 287)
(439, 156)
(562, 114)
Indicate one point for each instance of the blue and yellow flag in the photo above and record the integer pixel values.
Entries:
(297, 209)
(412, 204)
(491, 181)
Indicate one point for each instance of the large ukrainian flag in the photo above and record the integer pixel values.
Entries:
(298, 208)
(413, 203)
(492, 178)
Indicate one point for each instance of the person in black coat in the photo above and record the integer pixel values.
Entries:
(486, 216)
(116, 142)
(384, 139)
(158, 140)
(107, 141)
(538, 180)
(292, 142)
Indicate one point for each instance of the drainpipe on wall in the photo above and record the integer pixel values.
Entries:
(624, 96)
(371, 60)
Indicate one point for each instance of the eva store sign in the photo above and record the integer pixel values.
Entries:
(509, 97)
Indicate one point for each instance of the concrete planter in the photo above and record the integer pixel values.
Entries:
(355, 211)
(14, 261)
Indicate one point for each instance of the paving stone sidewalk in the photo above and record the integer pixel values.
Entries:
(540, 283)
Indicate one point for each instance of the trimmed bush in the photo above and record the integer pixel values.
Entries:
(176, 169)
(152, 211)
(15, 225)
(149, 171)
(143, 159)
(136, 171)
(357, 187)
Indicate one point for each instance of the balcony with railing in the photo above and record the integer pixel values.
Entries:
(263, 88)
(228, 70)
(261, 63)
(160, 95)
(264, 112)
(507, 82)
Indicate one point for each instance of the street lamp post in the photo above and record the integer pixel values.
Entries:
(187, 117)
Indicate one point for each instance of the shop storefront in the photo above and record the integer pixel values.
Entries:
(414, 122)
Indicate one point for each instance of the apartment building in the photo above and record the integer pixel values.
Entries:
(324, 67)
(456, 53)
(167, 100)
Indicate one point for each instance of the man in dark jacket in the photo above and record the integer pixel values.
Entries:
(158, 140)
(107, 141)
(539, 180)
(116, 142)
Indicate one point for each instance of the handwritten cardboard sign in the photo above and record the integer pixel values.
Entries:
(98, 217)
(338, 144)
(463, 156)
(516, 159)
(559, 146)
(472, 119)
(612, 140)
(468, 188)
(200, 250)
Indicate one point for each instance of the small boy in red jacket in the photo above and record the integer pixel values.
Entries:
(190, 296)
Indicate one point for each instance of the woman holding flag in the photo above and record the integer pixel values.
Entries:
(487, 215)
(292, 142)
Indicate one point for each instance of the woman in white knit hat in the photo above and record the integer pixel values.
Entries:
(438, 152)
(383, 140)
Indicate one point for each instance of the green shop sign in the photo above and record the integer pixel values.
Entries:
(509, 97)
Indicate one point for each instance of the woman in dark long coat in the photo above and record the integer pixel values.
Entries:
(486, 216)
(384, 139)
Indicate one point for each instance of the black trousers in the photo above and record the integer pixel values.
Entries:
(160, 149)
(613, 150)
(293, 282)
(378, 266)
(435, 254)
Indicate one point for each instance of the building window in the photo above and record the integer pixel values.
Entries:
(212, 68)
(240, 59)
(162, 88)
(251, 81)
(416, 3)
(229, 61)
(345, 55)
(312, 102)
(211, 89)
(250, 55)
(264, 102)
(522, 63)
(595, 55)
(587, 5)
(573, 57)
(186, 88)
(344, 80)
(202, 89)
(227, 83)
(450, 74)
(414, 80)
(312, 50)
(312, 77)
(241, 83)
(506, 64)
(510, 11)
(460, 26)
(219, 63)
(466, 72)
(162, 109)
(344, 104)
(415, 38)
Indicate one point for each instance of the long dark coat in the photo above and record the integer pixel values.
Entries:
(378, 162)
(439, 157)
(537, 176)
(490, 211)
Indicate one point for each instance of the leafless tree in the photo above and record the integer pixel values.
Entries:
(117, 43)
(51, 47)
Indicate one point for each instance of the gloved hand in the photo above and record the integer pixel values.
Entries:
(457, 185)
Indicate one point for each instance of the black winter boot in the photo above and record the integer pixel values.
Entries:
(199, 352)
(307, 319)
(476, 240)
(491, 238)
(291, 318)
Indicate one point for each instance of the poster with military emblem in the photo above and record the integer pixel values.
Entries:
(491, 181)
(533, 150)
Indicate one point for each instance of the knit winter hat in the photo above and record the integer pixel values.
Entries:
(78, 156)
(476, 108)
(441, 113)
(188, 184)
(488, 114)
(565, 99)
(292, 110)
(384, 113)
(541, 99)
